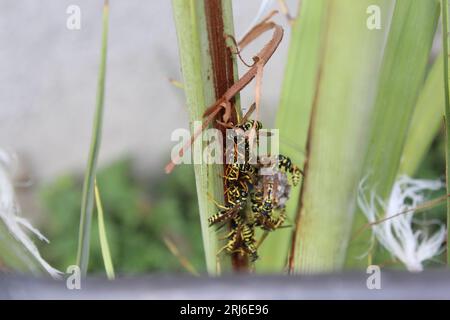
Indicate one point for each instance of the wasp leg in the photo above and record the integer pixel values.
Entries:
(271, 223)
(218, 204)
(228, 235)
(261, 240)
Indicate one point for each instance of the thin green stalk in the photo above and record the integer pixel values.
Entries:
(444, 7)
(106, 254)
(87, 201)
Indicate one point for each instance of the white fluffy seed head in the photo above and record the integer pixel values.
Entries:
(9, 213)
(408, 241)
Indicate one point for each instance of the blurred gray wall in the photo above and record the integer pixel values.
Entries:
(48, 77)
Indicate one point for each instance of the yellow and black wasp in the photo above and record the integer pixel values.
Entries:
(230, 210)
(285, 164)
(239, 138)
(248, 240)
(268, 201)
(240, 174)
(241, 239)
(249, 124)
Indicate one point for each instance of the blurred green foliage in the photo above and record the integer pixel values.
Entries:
(138, 215)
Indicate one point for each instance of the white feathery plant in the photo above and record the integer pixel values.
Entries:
(10, 210)
(407, 240)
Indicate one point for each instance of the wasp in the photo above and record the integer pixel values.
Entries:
(237, 178)
(249, 124)
(241, 239)
(285, 164)
(256, 200)
(236, 201)
(239, 200)
(240, 174)
(263, 198)
(270, 197)
(249, 169)
(240, 139)
(232, 173)
(232, 245)
(268, 201)
(236, 195)
(248, 239)
(230, 210)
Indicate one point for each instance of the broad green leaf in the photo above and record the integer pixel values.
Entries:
(327, 100)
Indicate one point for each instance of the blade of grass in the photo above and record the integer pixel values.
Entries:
(88, 186)
(202, 86)
(402, 75)
(444, 8)
(181, 258)
(426, 120)
(109, 268)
